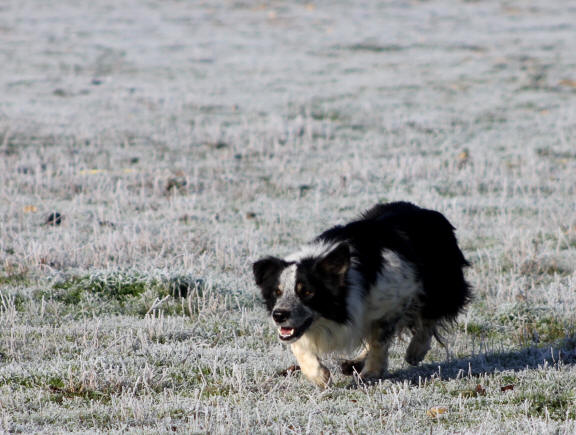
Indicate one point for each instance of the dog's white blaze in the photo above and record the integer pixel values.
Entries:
(288, 280)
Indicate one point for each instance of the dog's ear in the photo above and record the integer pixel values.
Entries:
(267, 269)
(336, 262)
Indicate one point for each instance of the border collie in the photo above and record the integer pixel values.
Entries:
(357, 286)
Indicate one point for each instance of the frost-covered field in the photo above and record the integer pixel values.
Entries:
(181, 140)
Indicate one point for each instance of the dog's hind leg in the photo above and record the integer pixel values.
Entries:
(311, 366)
(421, 342)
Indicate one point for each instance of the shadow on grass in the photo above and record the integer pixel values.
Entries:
(551, 354)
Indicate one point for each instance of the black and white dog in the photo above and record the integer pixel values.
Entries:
(357, 286)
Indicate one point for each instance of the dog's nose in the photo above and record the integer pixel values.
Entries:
(280, 315)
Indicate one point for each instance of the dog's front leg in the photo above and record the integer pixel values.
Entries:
(376, 361)
(311, 366)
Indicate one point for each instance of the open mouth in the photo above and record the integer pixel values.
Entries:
(287, 333)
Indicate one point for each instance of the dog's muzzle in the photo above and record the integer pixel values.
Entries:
(287, 331)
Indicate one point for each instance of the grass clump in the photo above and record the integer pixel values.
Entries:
(478, 329)
(116, 286)
(60, 390)
(14, 279)
(121, 286)
(534, 324)
(553, 404)
(128, 293)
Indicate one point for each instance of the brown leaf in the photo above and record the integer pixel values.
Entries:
(568, 82)
(480, 390)
(506, 388)
(436, 411)
(463, 158)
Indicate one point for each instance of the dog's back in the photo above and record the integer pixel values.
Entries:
(423, 237)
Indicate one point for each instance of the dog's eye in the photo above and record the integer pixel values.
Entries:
(303, 292)
(278, 292)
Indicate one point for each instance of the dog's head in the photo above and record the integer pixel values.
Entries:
(296, 293)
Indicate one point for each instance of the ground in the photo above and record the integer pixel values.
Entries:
(179, 141)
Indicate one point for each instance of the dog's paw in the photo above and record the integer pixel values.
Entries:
(414, 355)
(350, 367)
(321, 378)
(417, 350)
(325, 380)
(413, 360)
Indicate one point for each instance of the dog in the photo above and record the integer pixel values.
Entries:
(357, 286)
